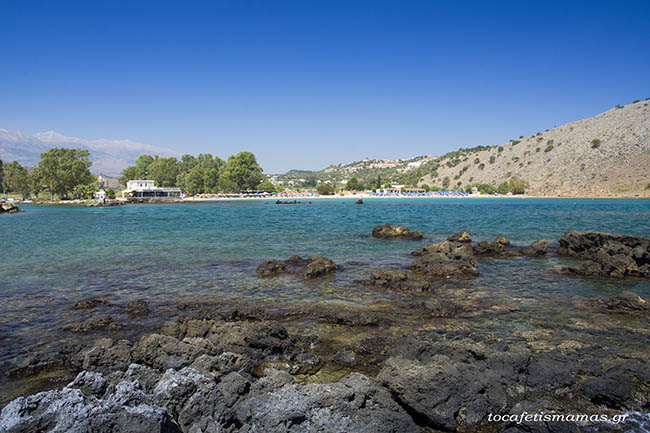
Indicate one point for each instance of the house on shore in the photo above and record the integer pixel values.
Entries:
(142, 188)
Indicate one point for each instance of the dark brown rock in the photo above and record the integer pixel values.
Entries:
(460, 237)
(628, 302)
(318, 266)
(270, 268)
(8, 207)
(537, 248)
(446, 259)
(608, 255)
(389, 231)
(137, 308)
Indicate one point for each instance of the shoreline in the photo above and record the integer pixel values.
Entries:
(300, 199)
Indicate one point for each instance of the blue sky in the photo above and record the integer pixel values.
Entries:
(304, 84)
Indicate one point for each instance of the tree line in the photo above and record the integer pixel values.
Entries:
(61, 172)
(65, 173)
(201, 174)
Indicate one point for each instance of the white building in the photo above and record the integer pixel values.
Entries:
(142, 188)
(101, 194)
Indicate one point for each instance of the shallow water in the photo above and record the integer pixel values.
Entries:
(53, 257)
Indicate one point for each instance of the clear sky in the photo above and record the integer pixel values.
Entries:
(307, 83)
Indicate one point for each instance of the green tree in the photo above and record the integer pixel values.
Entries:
(241, 172)
(227, 185)
(266, 186)
(1, 177)
(187, 163)
(16, 179)
(192, 182)
(85, 191)
(517, 185)
(110, 194)
(129, 173)
(325, 189)
(142, 166)
(164, 171)
(62, 169)
(445, 182)
(354, 184)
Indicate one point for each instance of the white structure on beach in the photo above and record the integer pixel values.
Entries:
(101, 194)
(142, 188)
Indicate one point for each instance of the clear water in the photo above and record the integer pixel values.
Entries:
(52, 257)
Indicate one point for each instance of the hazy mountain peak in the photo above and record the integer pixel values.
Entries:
(109, 156)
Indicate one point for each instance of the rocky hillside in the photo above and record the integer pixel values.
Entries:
(605, 155)
(608, 154)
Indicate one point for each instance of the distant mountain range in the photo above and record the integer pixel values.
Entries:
(109, 156)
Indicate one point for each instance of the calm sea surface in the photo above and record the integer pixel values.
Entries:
(52, 257)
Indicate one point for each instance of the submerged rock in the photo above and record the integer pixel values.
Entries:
(137, 308)
(396, 280)
(628, 302)
(389, 231)
(270, 268)
(312, 267)
(90, 303)
(607, 255)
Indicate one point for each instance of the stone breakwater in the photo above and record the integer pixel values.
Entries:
(421, 366)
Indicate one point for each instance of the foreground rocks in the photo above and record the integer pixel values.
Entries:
(9, 207)
(454, 387)
(389, 231)
(606, 254)
(205, 376)
(312, 267)
(188, 401)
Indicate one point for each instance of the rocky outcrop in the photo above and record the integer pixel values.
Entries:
(271, 268)
(8, 207)
(188, 401)
(389, 231)
(86, 405)
(312, 267)
(453, 257)
(455, 387)
(536, 249)
(318, 266)
(606, 254)
(397, 280)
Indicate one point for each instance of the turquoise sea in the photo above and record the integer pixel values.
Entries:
(166, 254)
